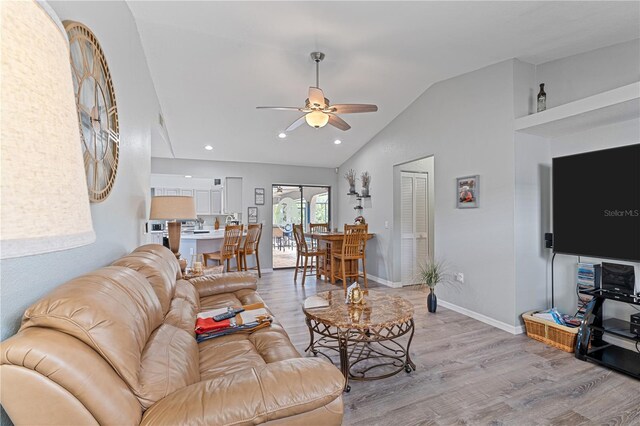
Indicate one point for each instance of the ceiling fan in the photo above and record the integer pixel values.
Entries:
(318, 111)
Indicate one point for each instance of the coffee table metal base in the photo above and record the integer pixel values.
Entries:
(364, 354)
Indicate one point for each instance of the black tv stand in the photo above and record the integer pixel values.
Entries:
(594, 327)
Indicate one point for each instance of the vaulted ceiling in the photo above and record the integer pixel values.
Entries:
(212, 63)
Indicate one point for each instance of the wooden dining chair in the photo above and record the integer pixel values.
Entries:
(229, 249)
(305, 251)
(315, 244)
(250, 246)
(354, 247)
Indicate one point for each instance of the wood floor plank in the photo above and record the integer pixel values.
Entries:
(468, 373)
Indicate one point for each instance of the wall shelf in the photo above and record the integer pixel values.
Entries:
(613, 106)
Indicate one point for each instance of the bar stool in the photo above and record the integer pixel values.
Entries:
(229, 249)
(303, 250)
(251, 244)
(354, 246)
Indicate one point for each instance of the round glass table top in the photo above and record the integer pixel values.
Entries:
(379, 310)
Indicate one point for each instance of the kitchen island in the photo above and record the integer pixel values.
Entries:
(197, 243)
(192, 243)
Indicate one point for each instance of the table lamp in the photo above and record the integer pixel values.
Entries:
(175, 209)
(45, 202)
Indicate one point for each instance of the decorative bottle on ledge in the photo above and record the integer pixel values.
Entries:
(542, 99)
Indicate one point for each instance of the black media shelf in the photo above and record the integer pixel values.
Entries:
(610, 295)
(618, 328)
(620, 359)
(590, 345)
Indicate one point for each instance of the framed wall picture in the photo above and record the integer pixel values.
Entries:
(252, 215)
(259, 197)
(468, 192)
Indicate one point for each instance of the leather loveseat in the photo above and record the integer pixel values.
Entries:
(117, 346)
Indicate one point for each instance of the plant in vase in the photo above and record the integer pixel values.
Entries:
(431, 274)
(350, 176)
(365, 178)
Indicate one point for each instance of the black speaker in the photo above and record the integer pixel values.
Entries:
(548, 240)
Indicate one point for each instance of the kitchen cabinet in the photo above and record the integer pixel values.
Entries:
(171, 191)
(203, 201)
(186, 192)
(216, 202)
(232, 195)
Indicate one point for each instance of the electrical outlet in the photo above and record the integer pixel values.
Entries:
(460, 277)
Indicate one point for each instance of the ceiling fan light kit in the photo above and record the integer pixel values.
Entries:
(318, 110)
(316, 119)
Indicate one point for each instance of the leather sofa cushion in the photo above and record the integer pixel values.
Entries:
(209, 285)
(182, 315)
(238, 298)
(60, 364)
(169, 362)
(227, 358)
(252, 396)
(166, 254)
(158, 272)
(113, 310)
(273, 345)
(186, 290)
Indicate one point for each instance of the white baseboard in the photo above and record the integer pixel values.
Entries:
(483, 318)
(384, 282)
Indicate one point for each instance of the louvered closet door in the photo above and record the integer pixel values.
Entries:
(414, 224)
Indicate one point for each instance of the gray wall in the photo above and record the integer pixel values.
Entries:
(253, 176)
(566, 80)
(586, 74)
(118, 221)
(466, 123)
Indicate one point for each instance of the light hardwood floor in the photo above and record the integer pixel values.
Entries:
(468, 372)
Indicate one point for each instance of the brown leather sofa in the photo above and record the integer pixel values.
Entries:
(116, 346)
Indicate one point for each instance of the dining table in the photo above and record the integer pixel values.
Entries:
(332, 242)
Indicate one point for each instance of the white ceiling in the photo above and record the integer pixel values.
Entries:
(212, 63)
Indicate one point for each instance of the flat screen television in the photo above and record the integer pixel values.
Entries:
(596, 204)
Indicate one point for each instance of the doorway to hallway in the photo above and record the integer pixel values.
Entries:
(294, 205)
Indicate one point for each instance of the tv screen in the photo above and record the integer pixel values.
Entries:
(596, 204)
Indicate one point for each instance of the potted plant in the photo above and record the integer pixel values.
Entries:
(350, 176)
(366, 180)
(431, 274)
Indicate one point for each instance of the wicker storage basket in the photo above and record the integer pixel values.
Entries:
(550, 333)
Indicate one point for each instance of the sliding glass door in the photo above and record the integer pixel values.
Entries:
(294, 205)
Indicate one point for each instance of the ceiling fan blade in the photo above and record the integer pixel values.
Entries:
(316, 97)
(280, 108)
(353, 108)
(338, 122)
(296, 124)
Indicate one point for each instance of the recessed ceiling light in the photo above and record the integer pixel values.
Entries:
(208, 147)
(282, 135)
(337, 141)
(187, 176)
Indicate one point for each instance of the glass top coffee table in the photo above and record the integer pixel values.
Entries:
(366, 337)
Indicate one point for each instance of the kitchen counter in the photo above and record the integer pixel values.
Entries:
(212, 235)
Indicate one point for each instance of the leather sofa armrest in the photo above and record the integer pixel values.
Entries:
(256, 395)
(208, 285)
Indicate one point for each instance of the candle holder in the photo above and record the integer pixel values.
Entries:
(197, 264)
